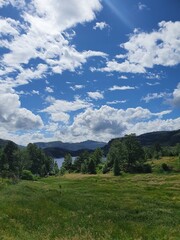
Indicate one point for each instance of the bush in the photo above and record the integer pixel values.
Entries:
(165, 167)
(105, 169)
(62, 171)
(147, 168)
(27, 175)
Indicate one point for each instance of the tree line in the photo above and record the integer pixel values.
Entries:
(125, 155)
(26, 163)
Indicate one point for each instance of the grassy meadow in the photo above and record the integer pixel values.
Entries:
(77, 206)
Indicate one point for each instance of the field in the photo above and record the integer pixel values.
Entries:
(75, 206)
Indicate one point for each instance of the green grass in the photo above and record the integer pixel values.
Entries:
(143, 206)
(173, 162)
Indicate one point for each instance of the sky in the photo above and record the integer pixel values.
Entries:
(82, 70)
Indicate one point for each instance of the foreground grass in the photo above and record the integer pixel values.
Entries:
(92, 207)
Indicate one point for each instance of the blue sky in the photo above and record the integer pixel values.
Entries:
(77, 70)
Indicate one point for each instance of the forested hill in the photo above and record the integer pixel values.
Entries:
(3, 142)
(164, 138)
(90, 145)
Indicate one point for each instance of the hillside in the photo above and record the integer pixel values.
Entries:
(3, 142)
(164, 138)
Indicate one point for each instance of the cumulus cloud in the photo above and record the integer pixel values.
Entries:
(59, 109)
(161, 47)
(14, 117)
(95, 95)
(176, 96)
(106, 122)
(145, 50)
(101, 25)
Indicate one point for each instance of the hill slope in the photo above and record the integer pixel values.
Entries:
(164, 138)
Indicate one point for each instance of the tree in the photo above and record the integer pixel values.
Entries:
(116, 168)
(84, 167)
(9, 151)
(135, 152)
(67, 164)
(91, 167)
(22, 160)
(97, 156)
(118, 153)
(41, 164)
(82, 158)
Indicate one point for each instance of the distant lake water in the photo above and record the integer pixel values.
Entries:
(61, 160)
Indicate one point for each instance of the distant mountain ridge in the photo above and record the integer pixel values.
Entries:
(89, 145)
(59, 149)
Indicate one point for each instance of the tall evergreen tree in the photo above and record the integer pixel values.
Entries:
(116, 168)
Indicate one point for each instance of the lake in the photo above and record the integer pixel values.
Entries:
(61, 160)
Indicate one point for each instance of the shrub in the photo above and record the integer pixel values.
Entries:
(147, 168)
(62, 171)
(165, 167)
(27, 175)
(105, 169)
(143, 168)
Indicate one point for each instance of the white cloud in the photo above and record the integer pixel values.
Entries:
(120, 56)
(9, 26)
(152, 96)
(107, 123)
(65, 14)
(151, 75)
(123, 77)
(35, 92)
(161, 47)
(176, 96)
(116, 102)
(153, 84)
(145, 50)
(126, 67)
(59, 109)
(14, 117)
(101, 25)
(142, 6)
(49, 90)
(122, 88)
(14, 3)
(76, 87)
(95, 95)
(45, 36)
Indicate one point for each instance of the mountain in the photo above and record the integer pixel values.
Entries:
(3, 142)
(164, 138)
(88, 145)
